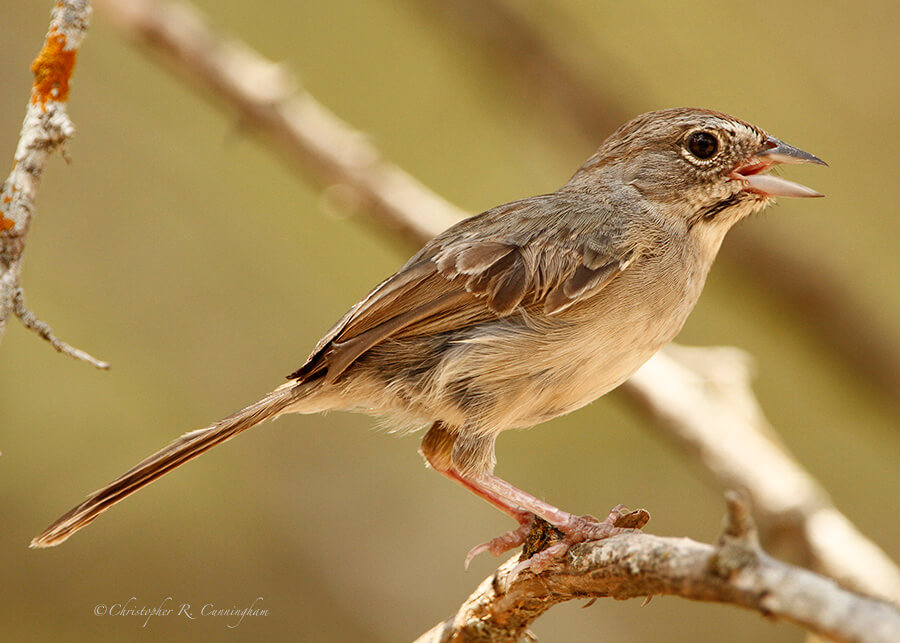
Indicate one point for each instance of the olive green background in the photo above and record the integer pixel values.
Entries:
(181, 249)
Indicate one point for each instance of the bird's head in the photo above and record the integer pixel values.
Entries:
(695, 164)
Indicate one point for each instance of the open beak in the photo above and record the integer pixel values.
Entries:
(773, 153)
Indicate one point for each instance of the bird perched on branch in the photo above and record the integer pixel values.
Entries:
(524, 312)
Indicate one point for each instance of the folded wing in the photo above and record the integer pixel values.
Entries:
(474, 273)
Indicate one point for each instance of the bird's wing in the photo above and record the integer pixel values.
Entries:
(475, 272)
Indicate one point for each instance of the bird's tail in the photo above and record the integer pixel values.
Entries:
(185, 448)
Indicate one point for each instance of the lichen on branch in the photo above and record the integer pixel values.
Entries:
(46, 129)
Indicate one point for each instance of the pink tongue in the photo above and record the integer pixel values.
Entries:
(777, 186)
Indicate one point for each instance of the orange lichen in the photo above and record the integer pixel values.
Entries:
(6, 224)
(52, 70)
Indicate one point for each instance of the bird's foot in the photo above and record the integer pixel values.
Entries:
(546, 532)
(619, 520)
(578, 529)
(545, 543)
(503, 543)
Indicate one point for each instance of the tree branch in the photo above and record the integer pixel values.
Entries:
(702, 400)
(734, 571)
(842, 322)
(46, 129)
(268, 97)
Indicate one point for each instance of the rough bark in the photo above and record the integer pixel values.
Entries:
(734, 571)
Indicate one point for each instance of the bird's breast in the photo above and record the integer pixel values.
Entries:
(517, 373)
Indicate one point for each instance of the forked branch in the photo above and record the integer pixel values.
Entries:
(734, 571)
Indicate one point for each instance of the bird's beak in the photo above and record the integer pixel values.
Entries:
(773, 153)
(780, 152)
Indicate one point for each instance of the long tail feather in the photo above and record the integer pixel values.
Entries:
(185, 448)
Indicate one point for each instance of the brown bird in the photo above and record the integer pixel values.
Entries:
(524, 312)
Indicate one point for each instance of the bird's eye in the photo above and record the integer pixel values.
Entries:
(703, 145)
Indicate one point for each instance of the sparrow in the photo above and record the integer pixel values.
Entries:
(525, 312)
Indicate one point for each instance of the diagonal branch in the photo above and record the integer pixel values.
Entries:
(46, 129)
(268, 97)
(701, 398)
(734, 571)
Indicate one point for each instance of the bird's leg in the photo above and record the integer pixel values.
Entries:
(522, 516)
(487, 484)
(439, 446)
(523, 507)
(575, 529)
(504, 542)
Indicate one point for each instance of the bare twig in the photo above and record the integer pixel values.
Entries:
(700, 397)
(842, 322)
(30, 321)
(46, 129)
(735, 571)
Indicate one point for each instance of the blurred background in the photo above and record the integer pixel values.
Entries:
(180, 248)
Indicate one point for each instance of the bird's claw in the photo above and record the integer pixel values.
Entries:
(577, 529)
(503, 543)
(620, 520)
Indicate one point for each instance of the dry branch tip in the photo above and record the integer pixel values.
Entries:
(31, 322)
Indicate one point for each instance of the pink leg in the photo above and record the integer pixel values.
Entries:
(520, 515)
(504, 542)
(437, 448)
(576, 529)
(587, 526)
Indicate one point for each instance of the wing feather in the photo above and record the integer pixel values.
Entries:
(477, 271)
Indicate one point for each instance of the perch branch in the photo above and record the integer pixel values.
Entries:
(701, 398)
(734, 571)
(525, 56)
(46, 129)
(683, 391)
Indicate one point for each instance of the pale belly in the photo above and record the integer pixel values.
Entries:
(514, 375)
